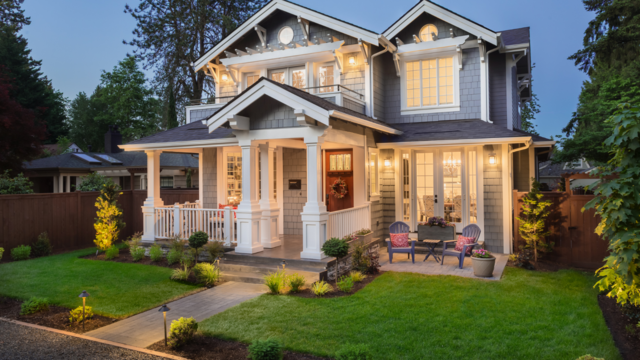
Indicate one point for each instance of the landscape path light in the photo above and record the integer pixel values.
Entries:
(164, 308)
(84, 295)
(284, 263)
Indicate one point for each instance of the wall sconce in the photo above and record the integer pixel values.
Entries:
(492, 159)
(387, 163)
(352, 60)
(224, 77)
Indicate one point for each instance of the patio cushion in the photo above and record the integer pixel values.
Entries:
(463, 240)
(400, 240)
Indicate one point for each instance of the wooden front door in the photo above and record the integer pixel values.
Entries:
(339, 165)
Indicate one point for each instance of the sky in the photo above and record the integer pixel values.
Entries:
(77, 39)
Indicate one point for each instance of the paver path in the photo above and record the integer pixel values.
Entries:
(147, 328)
(430, 267)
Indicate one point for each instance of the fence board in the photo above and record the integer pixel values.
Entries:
(68, 217)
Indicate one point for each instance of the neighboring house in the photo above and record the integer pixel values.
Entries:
(551, 174)
(62, 173)
(53, 148)
(421, 120)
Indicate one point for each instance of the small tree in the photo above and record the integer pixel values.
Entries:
(197, 240)
(94, 182)
(337, 248)
(16, 185)
(532, 226)
(109, 221)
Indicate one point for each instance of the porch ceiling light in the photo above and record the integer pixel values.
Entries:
(492, 159)
(352, 60)
(387, 163)
(224, 77)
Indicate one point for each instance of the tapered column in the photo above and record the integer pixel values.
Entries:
(269, 236)
(153, 195)
(314, 213)
(249, 214)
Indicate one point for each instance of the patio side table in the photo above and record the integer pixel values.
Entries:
(431, 247)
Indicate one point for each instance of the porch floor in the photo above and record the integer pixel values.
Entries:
(430, 267)
(290, 250)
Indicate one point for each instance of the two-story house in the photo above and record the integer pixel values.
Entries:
(320, 127)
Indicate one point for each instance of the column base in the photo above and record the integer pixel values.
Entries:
(249, 230)
(314, 234)
(148, 216)
(269, 236)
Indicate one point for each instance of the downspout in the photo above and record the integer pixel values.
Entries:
(526, 146)
(386, 49)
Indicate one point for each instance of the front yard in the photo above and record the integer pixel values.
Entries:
(527, 315)
(117, 289)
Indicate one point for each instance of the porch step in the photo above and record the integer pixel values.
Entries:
(272, 263)
(255, 274)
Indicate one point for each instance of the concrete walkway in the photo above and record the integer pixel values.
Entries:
(147, 328)
(430, 267)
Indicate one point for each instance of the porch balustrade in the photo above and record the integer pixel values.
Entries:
(345, 222)
(185, 219)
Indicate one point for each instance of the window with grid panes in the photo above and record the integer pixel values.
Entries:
(430, 82)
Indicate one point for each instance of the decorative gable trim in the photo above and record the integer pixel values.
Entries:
(302, 12)
(443, 14)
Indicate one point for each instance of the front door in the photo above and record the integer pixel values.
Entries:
(339, 179)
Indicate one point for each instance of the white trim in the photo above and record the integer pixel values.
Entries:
(507, 184)
(297, 55)
(293, 9)
(453, 142)
(480, 199)
(363, 122)
(432, 45)
(180, 144)
(430, 110)
(375, 195)
(444, 15)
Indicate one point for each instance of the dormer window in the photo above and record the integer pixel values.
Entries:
(426, 31)
(285, 35)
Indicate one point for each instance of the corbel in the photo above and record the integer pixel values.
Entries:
(302, 119)
(459, 52)
(215, 74)
(262, 34)
(483, 49)
(234, 78)
(230, 54)
(451, 34)
(399, 42)
(273, 48)
(304, 25)
(319, 40)
(250, 51)
(338, 61)
(396, 62)
(241, 53)
(434, 37)
(237, 122)
(416, 39)
(363, 49)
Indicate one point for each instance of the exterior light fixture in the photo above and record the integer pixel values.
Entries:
(164, 308)
(284, 263)
(387, 163)
(84, 295)
(224, 77)
(492, 159)
(352, 60)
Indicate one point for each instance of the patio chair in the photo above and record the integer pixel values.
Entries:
(400, 227)
(472, 231)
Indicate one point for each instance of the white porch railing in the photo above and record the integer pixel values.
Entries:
(183, 220)
(344, 222)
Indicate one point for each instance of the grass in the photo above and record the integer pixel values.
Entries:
(527, 315)
(117, 289)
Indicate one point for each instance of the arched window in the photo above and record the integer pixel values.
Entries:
(425, 32)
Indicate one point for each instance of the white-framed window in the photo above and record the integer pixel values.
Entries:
(296, 77)
(430, 85)
(427, 31)
(374, 181)
(251, 79)
(234, 177)
(326, 77)
(285, 35)
(166, 181)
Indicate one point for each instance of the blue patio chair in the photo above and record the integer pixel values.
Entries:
(399, 227)
(472, 231)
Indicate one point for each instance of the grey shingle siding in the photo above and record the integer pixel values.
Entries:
(294, 166)
(497, 89)
(201, 114)
(267, 113)
(387, 194)
(493, 206)
(406, 35)
(352, 76)
(352, 105)
(515, 98)
(210, 174)
(378, 87)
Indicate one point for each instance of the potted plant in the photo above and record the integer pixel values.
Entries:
(364, 236)
(483, 263)
(436, 228)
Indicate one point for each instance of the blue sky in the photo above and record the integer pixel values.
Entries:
(77, 39)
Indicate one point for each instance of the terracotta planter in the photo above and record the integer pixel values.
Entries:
(426, 232)
(483, 267)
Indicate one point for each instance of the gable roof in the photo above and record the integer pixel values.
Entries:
(515, 36)
(342, 26)
(128, 159)
(444, 14)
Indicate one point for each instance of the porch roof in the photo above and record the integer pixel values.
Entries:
(456, 130)
(128, 159)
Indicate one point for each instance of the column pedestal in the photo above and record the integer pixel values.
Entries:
(249, 214)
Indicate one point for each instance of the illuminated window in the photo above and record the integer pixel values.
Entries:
(426, 31)
(325, 78)
(234, 178)
(429, 82)
(473, 187)
(298, 78)
(406, 188)
(251, 79)
(278, 76)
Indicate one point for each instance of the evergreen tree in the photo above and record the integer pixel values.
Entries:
(172, 115)
(11, 14)
(85, 127)
(532, 223)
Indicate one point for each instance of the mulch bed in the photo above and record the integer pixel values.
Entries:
(627, 342)
(307, 293)
(204, 347)
(57, 317)
(125, 257)
(545, 266)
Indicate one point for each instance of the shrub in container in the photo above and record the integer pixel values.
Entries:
(182, 331)
(483, 263)
(21, 252)
(42, 246)
(364, 236)
(265, 350)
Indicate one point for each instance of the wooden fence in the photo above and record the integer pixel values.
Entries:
(572, 231)
(68, 217)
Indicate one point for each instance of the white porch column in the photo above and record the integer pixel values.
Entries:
(269, 236)
(249, 214)
(153, 195)
(314, 214)
(56, 180)
(61, 184)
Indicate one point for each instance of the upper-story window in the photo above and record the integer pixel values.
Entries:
(252, 79)
(430, 85)
(295, 77)
(326, 78)
(427, 31)
(285, 35)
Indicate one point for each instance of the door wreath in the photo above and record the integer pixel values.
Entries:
(339, 189)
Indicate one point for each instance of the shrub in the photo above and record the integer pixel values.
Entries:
(93, 182)
(215, 249)
(42, 246)
(320, 288)
(532, 223)
(177, 244)
(372, 262)
(34, 305)
(137, 253)
(187, 258)
(275, 281)
(206, 273)
(359, 261)
(345, 284)
(17, 185)
(155, 253)
(181, 274)
(76, 314)
(21, 252)
(337, 248)
(357, 276)
(354, 352)
(182, 331)
(296, 282)
(109, 221)
(112, 253)
(197, 240)
(134, 240)
(270, 349)
(589, 357)
(1, 252)
(173, 256)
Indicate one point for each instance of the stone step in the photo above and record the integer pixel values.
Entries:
(259, 261)
(256, 275)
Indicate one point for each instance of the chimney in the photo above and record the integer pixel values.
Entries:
(112, 139)
(89, 147)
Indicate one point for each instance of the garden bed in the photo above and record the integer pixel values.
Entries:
(57, 317)
(204, 347)
(335, 292)
(543, 265)
(125, 257)
(627, 341)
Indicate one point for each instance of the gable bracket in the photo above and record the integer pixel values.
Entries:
(338, 60)
(399, 42)
(318, 40)
(214, 73)
(483, 49)
(302, 119)
(364, 50)
(262, 34)
(233, 76)
(459, 52)
(237, 122)
(304, 25)
(396, 61)
(229, 54)
(416, 39)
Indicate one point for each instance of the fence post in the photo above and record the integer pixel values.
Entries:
(228, 220)
(176, 219)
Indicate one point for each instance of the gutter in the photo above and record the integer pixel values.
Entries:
(363, 122)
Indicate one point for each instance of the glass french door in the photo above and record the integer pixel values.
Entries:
(452, 188)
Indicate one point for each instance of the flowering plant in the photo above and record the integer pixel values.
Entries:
(481, 253)
(338, 188)
(437, 221)
(350, 237)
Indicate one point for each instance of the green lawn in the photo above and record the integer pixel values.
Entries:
(527, 315)
(117, 289)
